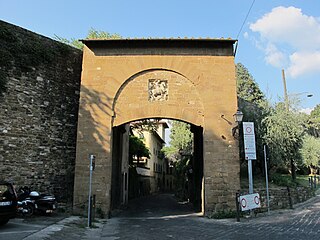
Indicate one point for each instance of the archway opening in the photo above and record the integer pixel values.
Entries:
(156, 162)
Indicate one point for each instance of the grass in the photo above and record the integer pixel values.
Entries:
(276, 180)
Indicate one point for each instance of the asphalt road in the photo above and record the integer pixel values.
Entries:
(20, 228)
(162, 217)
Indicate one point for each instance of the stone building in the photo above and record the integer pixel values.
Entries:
(191, 80)
(153, 169)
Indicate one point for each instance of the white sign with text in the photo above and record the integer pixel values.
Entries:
(249, 141)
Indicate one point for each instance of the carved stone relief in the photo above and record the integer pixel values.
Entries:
(158, 90)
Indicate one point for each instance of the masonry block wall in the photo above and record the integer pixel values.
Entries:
(38, 111)
(117, 86)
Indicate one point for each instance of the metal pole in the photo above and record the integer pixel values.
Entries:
(286, 100)
(267, 182)
(237, 206)
(89, 201)
(250, 176)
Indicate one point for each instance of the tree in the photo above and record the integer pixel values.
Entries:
(314, 122)
(180, 152)
(92, 34)
(137, 149)
(247, 88)
(150, 125)
(310, 152)
(285, 130)
(181, 140)
(253, 104)
(315, 113)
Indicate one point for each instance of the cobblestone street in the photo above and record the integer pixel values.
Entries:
(161, 217)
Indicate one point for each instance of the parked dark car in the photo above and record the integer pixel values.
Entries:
(8, 202)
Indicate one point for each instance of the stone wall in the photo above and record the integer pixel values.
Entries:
(282, 198)
(279, 198)
(38, 111)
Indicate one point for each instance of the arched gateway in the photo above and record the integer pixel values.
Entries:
(192, 80)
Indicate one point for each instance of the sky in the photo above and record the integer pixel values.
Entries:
(275, 35)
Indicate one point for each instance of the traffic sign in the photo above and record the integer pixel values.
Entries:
(250, 201)
(249, 141)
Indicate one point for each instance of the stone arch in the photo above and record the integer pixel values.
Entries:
(134, 100)
(200, 80)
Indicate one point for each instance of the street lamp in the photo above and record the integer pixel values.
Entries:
(238, 116)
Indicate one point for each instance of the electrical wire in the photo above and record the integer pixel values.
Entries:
(246, 18)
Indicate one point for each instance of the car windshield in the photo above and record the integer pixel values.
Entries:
(6, 192)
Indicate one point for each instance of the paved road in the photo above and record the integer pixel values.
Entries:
(153, 223)
(161, 217)
(20, 228)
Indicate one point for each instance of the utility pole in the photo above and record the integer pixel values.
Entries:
(286, 100)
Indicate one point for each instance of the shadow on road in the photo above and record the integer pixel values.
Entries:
(159, 205)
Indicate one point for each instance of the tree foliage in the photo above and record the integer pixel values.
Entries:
(253, 104)
(315, 113)
(314, 122)
(181, 140)
(310, 151)
(137, 148)
(247, 88)
(284, 134)
(149, 125)
(92, 34)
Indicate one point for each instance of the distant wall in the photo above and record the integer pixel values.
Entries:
(279, 198)
(39, 97)
(282, 198)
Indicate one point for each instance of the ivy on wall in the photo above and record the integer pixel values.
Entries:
(25, 51)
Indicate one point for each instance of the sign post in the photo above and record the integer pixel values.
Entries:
(266, 170)
(92, 165)
(249, 149)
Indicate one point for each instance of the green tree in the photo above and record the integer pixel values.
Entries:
(253, 104)
(315, 113)
(150, 125)
(181, 140)
(137, 149)
(179, 152)
(285, 131)
(247, 88)
(314, 122)
(310, 152)
(92, 34)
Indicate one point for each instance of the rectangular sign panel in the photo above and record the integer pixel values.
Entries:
(250, 201)
(249, 141)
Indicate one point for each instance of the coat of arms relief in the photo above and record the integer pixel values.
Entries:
(158, 90)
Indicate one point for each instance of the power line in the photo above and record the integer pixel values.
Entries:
(246, 18)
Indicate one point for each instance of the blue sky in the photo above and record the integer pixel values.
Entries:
(282, 34)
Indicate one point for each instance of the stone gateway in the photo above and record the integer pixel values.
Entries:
(192, 80)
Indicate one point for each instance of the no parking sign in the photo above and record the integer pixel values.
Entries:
(250, 201)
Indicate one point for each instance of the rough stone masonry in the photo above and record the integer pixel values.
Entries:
(38, 111)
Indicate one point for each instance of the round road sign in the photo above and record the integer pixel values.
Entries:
(256, 200)
(243, 203)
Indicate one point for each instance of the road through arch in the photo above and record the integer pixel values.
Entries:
(192, 80)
